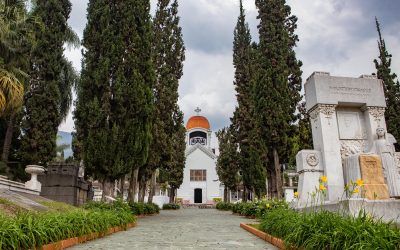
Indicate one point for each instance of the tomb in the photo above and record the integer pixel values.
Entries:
(350, 140)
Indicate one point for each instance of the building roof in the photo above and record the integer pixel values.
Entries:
(197, 122)
(205, 150)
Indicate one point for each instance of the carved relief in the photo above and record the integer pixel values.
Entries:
(312, 159)
(326, 109)
(352, 147)
(351, 125)
(377, 112)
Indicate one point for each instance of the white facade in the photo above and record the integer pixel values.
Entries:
(199, 158)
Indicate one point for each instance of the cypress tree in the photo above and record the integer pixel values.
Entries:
(177, 166)
(114, 106)
(168, 54)
(227, 163)
(277, 82)
(391, 87)
(44, 104)
(244, 119)
(93, 107)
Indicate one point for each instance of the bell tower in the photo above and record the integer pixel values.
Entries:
(198, 130)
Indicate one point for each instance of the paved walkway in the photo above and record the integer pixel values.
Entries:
(189, 228)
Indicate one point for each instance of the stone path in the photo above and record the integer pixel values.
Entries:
(189, 228)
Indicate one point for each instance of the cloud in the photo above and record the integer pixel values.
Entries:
(337, 36)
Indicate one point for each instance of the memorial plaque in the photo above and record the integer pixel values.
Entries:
(374, 187)
(351, 125)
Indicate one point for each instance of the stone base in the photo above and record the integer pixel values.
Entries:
(387, 210)
(375, 192)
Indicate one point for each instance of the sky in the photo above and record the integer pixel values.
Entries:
(336, 36)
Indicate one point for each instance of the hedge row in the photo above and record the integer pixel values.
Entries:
(135, 207)
(171, 206)
(328, 230)
(144, 208)
(256, 208)
(29, 230)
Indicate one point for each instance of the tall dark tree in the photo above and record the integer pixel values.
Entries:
(169, 54)
(301, 136)
(114, 106)
(227, 163)
(175, 170)
(244, 118)
(44, 103)
(277, 82)
(391, 87)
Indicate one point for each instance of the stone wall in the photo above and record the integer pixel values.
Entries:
(61, 183)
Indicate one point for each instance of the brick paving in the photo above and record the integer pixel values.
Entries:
(189, 228)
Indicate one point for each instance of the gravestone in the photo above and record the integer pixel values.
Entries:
(345, 113)
(374, 187)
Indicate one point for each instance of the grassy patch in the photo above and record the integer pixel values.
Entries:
(328, 230)
(31, 230)
(57, 206)
(256, 226)
(9, 208)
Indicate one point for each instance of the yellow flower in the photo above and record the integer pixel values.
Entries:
(296, 194)
(324, 179)
(360, 182)
(356, 191)
(268, 206)
(322, 187)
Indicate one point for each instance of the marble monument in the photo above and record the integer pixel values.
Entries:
(345, 115)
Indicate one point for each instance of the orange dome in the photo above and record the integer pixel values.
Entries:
(198, 122)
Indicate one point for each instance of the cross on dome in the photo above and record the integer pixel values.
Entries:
(197, 110)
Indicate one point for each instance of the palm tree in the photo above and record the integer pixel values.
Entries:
(18, 27)
(16, 40)
(15, 35)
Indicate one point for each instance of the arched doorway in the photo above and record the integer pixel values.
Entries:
(198, 195)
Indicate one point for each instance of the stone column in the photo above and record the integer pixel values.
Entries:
(326, 140)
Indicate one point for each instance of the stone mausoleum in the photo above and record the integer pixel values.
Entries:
(350, 143)
(200, 181)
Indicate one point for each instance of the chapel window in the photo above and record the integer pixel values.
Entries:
(198, 175)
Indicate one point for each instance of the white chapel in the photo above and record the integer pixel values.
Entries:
(200, 179)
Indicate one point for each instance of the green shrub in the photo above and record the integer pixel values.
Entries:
(118, 205)
(225, 206)
(257, 208)
(328, 230)
(30, 230)
(171, 206)
(138, 208)
(151, 208)
(217, 200)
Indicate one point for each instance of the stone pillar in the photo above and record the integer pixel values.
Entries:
(310, 169)
(326, 140)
